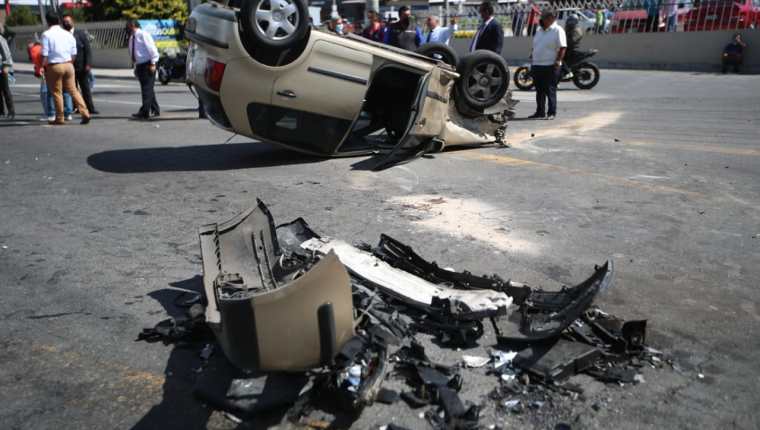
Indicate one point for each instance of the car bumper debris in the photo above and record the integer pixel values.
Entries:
(341, 319)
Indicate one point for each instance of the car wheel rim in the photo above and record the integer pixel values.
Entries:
(485, 81)
(277, 19)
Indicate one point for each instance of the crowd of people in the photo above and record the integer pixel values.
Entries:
(63, 57)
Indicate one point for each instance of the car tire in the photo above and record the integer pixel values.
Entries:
(523, 79)
(440, 52)
(586, 76)
(483, 79)
(279, 24)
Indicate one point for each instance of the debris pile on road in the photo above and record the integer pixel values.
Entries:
(306, 320)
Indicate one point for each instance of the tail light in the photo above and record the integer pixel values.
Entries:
(214, 74)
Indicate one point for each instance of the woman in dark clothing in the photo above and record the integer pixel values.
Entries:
(733, 53)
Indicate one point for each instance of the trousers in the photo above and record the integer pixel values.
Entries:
(147, 81)
(545, 79)
(6, 98)
(59, 78)
(82, 78)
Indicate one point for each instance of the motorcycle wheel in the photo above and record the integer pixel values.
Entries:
(523, 79)
(586, 76)
(163, 76)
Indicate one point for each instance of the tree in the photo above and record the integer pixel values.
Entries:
(138, 9)
(21, 15)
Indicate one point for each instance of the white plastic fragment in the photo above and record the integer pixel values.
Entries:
(501, 358)
(475, 360)
(511, 403)
(508, 377)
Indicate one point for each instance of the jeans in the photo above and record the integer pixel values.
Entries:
(48, 105)
(6, 97)
(147, 81)
(672, 24)
(545, 79)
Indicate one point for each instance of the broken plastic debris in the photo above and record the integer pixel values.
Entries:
(475, 360)
(508, 377)
(501, 358)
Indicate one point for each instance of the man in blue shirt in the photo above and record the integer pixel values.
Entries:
(438, 34)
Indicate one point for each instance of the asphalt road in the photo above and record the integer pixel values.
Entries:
(658, 171)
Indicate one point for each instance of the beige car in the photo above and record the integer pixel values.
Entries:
(262, 71)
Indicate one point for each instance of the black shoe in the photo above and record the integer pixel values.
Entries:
(551, 116)
(156, 114)
(537, 116)
(139, 116)
(11, 116)
(85, 120)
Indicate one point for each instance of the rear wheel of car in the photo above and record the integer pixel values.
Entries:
(523, 79)
(483, 80)
(586, 76)
(440, 52)
(274, 23)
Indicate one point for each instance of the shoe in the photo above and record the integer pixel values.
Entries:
(537, 116)
(56, 123)
(551, 117)
(85, 120)
(11, 116)
(139, 116)
(156, 114)
(69, 117)
(569, 75)
(51, 118)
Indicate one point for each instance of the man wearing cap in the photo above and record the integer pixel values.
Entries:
(549, 46)
(59, 48)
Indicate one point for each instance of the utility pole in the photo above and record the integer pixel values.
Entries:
(41, 4)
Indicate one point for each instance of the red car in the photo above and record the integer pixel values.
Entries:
(723, 15)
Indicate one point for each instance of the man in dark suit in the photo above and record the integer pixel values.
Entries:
(82, 62)
(490, 35)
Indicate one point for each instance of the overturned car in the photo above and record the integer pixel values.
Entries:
(261, 71)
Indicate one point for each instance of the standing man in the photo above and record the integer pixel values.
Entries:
(400, 33)
(82, 62)
(58, 52)
(438, 34)
(144, 58)
(375, 30)
(6, 64)
(490, 35)
(549, 47)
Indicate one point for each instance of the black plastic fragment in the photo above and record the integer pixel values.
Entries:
(327, 336)
(387, 396)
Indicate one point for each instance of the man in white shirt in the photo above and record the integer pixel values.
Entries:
(549, 46)
(438, 34)
(144, 56)
(59, 48)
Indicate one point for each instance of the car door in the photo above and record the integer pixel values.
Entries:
(315, 100)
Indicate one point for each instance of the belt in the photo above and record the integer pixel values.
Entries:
(65, 62)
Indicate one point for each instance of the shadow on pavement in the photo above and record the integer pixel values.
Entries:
(196, 158)
(192, 382)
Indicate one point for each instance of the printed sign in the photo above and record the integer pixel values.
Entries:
(165, 32)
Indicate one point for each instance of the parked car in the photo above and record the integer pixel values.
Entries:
(723, 15)
(261, 71)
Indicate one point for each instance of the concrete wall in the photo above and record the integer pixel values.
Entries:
(697, 51)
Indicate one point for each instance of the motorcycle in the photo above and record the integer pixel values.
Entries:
(171, 68)
(585, 74)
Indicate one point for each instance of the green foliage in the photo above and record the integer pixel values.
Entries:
(138, 9)
(22, 15)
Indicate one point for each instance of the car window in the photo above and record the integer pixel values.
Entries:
(305, 130)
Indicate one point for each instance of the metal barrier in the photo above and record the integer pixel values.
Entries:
(103, 35)
(617, 16)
